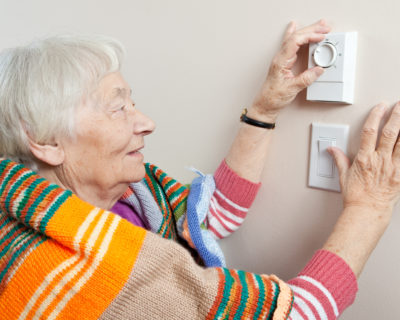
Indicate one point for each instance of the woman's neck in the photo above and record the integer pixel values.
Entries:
(100, 196)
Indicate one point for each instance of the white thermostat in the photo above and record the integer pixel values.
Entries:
(337, 55)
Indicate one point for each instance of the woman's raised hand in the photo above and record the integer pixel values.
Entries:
(373, 179)
(281, 85)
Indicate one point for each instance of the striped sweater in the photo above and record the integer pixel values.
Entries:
(62, 258)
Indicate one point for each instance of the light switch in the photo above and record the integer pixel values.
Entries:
(325, 161)
(322, 172)
(337, 55)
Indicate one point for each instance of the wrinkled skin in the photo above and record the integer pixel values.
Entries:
(373, 179)
(281, 85)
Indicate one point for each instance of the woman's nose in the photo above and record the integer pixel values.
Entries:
(143, 124)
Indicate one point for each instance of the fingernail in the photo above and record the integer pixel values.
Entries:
(319, 71)
(382, 106)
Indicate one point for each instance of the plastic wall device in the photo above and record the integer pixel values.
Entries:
(337, 55)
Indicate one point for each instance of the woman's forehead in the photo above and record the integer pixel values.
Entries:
(113, 86)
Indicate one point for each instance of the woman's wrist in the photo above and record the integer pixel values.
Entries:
(356, 234)
(257, 113)
(382, 213)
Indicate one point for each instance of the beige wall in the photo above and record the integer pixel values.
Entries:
(193, 65)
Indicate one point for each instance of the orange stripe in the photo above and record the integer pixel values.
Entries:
(179, 199)
(218, 298)
(237, 298)
(87, 262)
(45, 203)
(38, 189)
(21, 188)
(269, 296)
(35, 268)
(127, 193)
(166, 225)
(3, 175)
(11, 182)
(59, 276)
(104, 285)
(51, 286)
(251, 303)
(230, 301)
(111, 275)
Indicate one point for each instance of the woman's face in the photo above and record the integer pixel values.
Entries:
(109, 136)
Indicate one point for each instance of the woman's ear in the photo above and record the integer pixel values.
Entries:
(52, 154)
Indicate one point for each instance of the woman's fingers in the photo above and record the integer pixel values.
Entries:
(292, 45)
(342, 162)
(293, 40)
(369, 133)
(319, 26)
(390, 132)
(291, 28)
(396, 151)
(306, 78)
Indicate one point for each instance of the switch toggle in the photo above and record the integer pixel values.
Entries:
(323, 173)
(326, 165)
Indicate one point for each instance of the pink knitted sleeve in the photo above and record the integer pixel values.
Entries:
(230, 202)
(324, 288)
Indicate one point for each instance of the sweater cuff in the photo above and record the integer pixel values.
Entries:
(333, 273)
(237, 189)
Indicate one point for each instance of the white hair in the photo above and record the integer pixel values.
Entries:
(41, 85)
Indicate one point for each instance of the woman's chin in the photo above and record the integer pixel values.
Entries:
(137, 172)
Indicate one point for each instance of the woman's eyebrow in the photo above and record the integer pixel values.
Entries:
(119, 92)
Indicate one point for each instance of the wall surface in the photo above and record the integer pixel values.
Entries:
(193, 65)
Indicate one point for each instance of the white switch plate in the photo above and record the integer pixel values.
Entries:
(323, 173)
(337, 82)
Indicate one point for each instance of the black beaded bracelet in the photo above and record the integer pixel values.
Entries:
(244, 118)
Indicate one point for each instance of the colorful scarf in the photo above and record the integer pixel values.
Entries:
(62, 258)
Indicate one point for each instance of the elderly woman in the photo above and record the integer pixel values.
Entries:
(87, 229)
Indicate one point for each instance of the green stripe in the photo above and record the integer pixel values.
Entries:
(168, 185)
(10, 175)
(261, 296)
(179, 212)
(163, 175)
(18, 253)
(3, 164)
(274, 302)
(6, 221)
(9, 234)
(229, 280)
(178, 192)
(54, 207)
(15, 187)
(244, 295)
(31, 188)
(161, 200)
(157, 195)
(16, 240)
(38, 200)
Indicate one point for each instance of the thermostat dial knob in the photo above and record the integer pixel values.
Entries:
(325, 54)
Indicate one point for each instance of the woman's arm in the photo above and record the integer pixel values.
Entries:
(237, 179)
(249, 149)
(370, 187)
